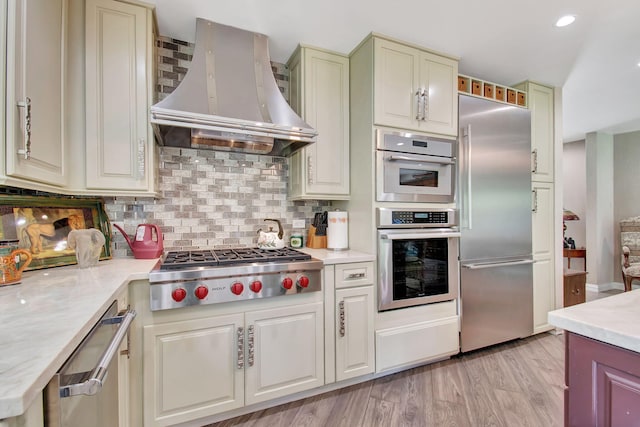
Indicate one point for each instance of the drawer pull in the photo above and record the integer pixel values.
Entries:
(353, 276)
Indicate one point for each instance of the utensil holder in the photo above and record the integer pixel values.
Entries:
(315, 242)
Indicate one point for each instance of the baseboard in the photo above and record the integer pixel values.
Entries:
(602, 287)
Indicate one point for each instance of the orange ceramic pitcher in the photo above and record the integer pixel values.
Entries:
(12, 262)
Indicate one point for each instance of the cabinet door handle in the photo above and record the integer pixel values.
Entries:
(418, 99)
(425, 104)
(26, 151)
(140, 158)
(309, 170)
(535, 160)
(341, 305)
(240, 338)
(251, 345)
(535, 200)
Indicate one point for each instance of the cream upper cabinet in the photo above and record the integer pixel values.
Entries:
(540, 102)
(119, 39)
(35, 91)
(319, 93)
(414, 89)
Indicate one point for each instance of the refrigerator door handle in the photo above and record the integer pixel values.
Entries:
(497, 264)
(465, 148)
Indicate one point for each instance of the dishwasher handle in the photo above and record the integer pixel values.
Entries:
(98, 376)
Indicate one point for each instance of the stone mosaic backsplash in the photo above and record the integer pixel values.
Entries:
(210, 198)
(213, 199)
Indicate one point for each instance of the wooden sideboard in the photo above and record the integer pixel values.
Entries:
(574, 284)
(575, 253)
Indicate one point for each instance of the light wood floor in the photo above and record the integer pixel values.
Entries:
(519, 383)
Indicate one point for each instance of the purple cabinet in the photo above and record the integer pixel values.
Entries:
(603, 384)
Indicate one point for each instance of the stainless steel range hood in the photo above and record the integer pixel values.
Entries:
(229, 99)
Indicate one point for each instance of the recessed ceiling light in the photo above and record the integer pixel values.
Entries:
(565, 20)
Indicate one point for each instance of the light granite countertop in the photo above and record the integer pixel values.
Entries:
(613, 320)
(44, 318)
(329, 256)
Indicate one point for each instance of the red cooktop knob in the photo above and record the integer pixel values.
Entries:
(287, 283)
(256, 286)
(201, 292)
(178, 294)
(237, 288)
(303, 281)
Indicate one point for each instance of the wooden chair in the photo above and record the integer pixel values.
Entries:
(630, 271)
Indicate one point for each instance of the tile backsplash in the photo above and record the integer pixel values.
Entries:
(210, 198)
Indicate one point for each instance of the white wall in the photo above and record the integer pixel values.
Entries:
(626, 181)
(575, 193)
(626, 197)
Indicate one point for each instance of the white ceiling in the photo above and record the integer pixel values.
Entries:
(595, 60)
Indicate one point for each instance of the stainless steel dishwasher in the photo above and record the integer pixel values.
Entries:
(85, 390)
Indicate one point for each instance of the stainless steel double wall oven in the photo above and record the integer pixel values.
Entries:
(417, 246)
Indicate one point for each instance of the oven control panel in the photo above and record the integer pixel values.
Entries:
(415, 218)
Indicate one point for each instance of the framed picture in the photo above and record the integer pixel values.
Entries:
(41, 226)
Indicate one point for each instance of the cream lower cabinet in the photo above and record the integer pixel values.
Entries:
(544, 246)
(35, 147)
(351, 328)
(414, 89)
(354, 332)
(202, 367)
(284, 352)
(119, 85)
(319, 93)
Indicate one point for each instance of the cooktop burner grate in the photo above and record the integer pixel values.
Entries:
(225, 257)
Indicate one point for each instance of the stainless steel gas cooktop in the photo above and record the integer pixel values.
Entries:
(187, 278)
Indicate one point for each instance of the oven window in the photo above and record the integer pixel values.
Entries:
(420, 268)
(418, 178)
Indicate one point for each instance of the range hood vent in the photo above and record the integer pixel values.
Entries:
(229, 99)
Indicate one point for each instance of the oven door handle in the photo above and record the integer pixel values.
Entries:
(426, 235)
(429, 159)
(94, 384)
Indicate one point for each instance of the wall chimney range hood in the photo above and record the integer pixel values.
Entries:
(229, 99)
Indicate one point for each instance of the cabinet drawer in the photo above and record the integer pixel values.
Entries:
(356, 274)
(420, 342)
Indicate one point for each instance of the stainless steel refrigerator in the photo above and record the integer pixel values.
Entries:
(496, 264)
